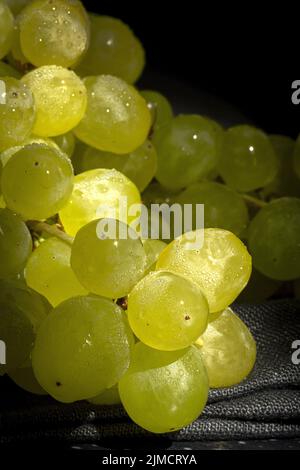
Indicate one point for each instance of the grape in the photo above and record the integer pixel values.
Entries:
(139, 166)
(221, 267)
(77, 156)
(258, 289)
(49, 272)
(24, 378)
(8, 153)
(8, 71)
(167, 311)
(66, 142)
(274, 239)
(83, 347)
(156, 194)
(187, 149)
(54, 32)
(60, 98)
(15, 243)
(17, 112)
(117, 118)
(98, 193)
(108, 266)
(163, 391)
(228, 351)
(17, 5)
(21, 313)
(248, 160)
(297, 157)
(108, 397)
(153, 249)
(6, 28)
(114, 50)
(160, 108)
(16, 57)
(37, 181)
(224, 208)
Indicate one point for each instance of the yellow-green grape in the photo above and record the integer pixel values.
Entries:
(167, 311)
(296, 157)
(48, 271)
(66, 142)
(37, 181)
(160, 108)
(248, 160)
(6, 28)
(110, 396)
(8, 71)
(82, 348)
(15, 243)
(60, 98)
(108, 265)
(21, 313)
(274, 239)
(25, 379)
(114, 50)
(98, 194)
(153, 249)
(187, 149)
(163, 391)
(54, 32)
(16, 57)
(258, 289)
(117, 119)
(17, 5)
(139, 166)
(157, 194)
(223, 207)
(8, 153)
(17, 112)
(221, 266)
(228, 350)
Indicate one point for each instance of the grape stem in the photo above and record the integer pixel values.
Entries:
(254, 200)
(36, 226)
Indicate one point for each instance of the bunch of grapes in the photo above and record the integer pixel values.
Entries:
(132, 320)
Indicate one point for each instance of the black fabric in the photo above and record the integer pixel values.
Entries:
(266, 405)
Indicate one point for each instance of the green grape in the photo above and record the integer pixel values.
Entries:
(25, 378)
(258, 289)
(66, 142)
(187, 149)
(54, 32)
(82, 348)
(8, 71)
(114, 50)
(164, 391)
(6, 28)
(16, 57)
(117, 118)
(60, 98)
(21, 313)
(160, 108)
(221, 266)
(157, 194)
(37, 181)
(17, 5)
(48, 271)
(108, 265)
(77, 156)
(228, 350)
(139, 166)
(296, 157)
(8, 153)
(223, 207)
(110, 396)
(248, 160)
(15, 243)
(153, 249)
(17, 112)
(98, 194)
(167, 311)
(274, 239)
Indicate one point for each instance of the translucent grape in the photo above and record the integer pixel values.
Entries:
(228, 350)
(6, 28)
(153, 249)
(274, 239)
(25, 378)
(8, 71)
(82, 348)
(8, 153)
(297, 157)
(98, 193)
(187, 150)
(160, 108)
(114, 50)
(139, 166)
(248, 160)
(17, 112)
(48, 271)
(258, 289)
(223, 207)
(221, 267)
(163, 391)
(66, 142)
(60, 98)
(37, 181)
(15, 243)
(54, 32)
(117, 118)
(108, 397)
(108, 266)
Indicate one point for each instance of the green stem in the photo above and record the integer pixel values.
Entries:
(254, 200)
(53, 230)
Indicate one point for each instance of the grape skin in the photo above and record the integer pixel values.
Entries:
(110, 396)
(8, 71)
(6, 28)
(160, 108)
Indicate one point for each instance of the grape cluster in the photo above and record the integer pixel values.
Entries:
(132, 320)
